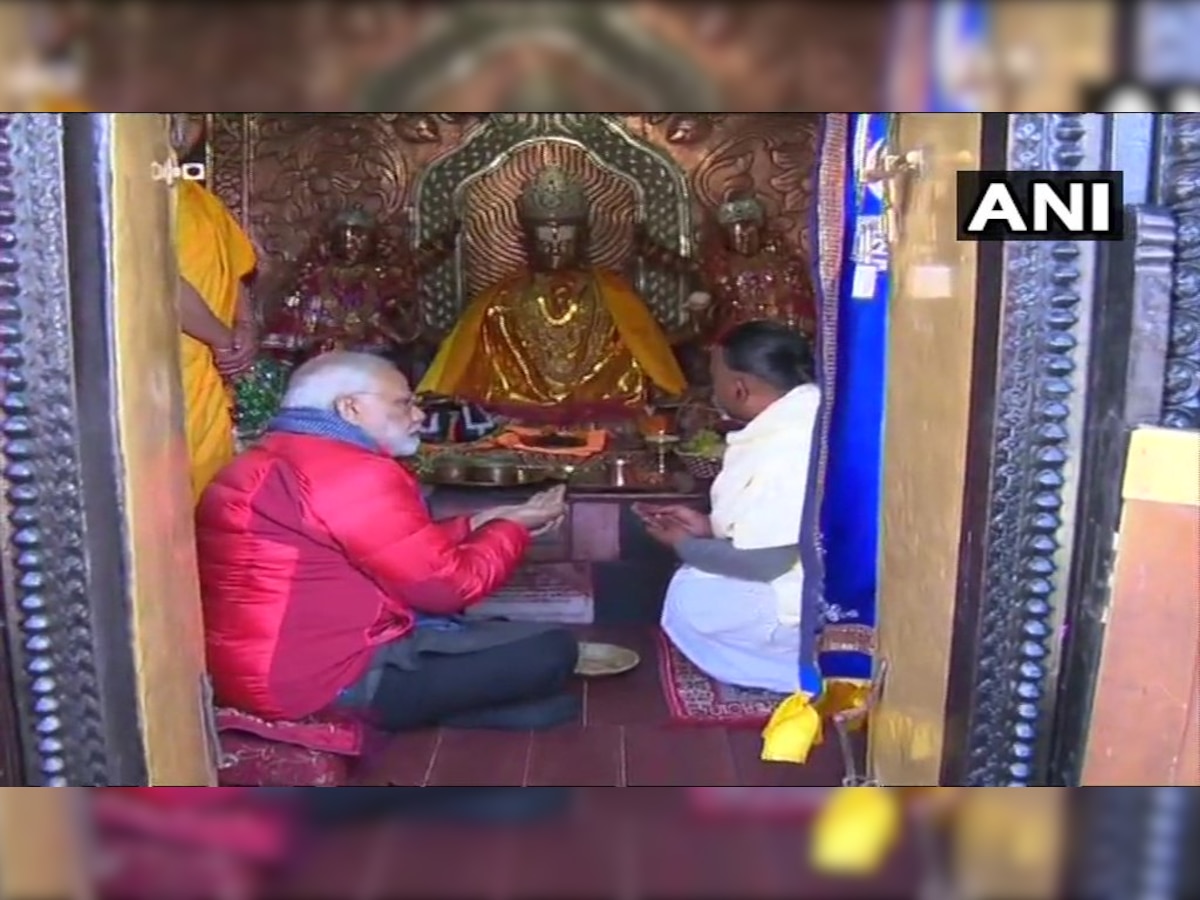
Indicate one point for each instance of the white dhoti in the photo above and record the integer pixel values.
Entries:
(730, 630)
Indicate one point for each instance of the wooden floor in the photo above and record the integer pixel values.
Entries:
(648, 843)
(625, 740)
(626, 844)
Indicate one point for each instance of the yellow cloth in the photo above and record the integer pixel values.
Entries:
(858, 825)
(60, 103)
(214, 255)
(855, 830)
(481, 352)
(797, 726)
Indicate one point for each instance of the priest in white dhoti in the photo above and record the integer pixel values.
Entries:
(734, 607)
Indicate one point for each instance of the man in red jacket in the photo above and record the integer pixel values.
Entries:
(325, 581)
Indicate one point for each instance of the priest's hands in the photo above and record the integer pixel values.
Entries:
(671, 523)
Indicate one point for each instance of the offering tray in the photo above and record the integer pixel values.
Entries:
(621, 475)
(601, 660)
(703, 453)
(483, 470)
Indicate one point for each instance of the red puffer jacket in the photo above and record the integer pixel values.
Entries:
(313, 552)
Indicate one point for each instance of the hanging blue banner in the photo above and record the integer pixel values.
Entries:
(850, 510)
(960, 47)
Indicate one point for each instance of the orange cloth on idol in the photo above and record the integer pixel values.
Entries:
(557, 339)
(514, 437)
(214, 256)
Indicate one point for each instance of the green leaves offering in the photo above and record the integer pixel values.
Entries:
(706, 443)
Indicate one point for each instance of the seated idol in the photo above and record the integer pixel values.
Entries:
(561, 340)
(353, 290)
(745, 271)
(734, 606)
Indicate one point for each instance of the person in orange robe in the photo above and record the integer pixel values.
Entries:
(219, 341)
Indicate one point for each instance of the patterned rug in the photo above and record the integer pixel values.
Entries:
(696, 699)
(543, 592)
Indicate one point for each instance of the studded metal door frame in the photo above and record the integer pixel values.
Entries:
(66, 610)
(1075, 341)
(1035, 303)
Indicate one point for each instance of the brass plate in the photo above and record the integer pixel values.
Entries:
(603, 660)
(511, 478)
(603, 481)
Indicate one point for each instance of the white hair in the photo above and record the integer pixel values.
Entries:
(323, 379)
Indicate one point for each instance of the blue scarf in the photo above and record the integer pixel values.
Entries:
(328, 424)
(321, 423)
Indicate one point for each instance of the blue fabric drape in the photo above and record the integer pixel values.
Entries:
(850, 506)
(960, 38)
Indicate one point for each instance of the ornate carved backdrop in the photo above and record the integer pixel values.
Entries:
(627, 179)
(283, 174)
(769, 55)
(492, 237)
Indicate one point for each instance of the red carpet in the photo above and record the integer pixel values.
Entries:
(694, 698)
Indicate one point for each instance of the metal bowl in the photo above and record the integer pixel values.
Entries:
(450, 470)
(620, 474)
(503, 474)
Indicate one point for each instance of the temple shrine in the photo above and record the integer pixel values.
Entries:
(550, 284)
(551, 276)
(997, 525)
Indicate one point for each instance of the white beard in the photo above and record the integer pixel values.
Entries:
(406, 445)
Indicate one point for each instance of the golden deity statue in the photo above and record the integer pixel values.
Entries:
(753, 274)
(560, 341)
(353, 289)
(745, 272)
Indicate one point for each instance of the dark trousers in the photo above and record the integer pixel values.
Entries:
(456, 688)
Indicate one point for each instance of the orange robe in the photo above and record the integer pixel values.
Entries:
(214, 255)
(572, 339)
